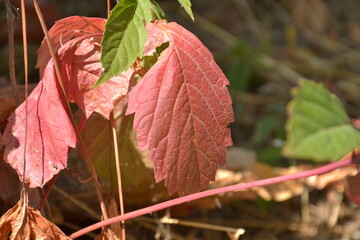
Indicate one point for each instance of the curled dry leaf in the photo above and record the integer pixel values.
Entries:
(277, 192)
(324, 180)
(107, 234)
(114, 229)
(253, 172)
(25, 223)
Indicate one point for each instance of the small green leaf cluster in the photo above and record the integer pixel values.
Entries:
(318, 127)
(125, 34)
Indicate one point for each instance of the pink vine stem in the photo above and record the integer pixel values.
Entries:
(346, 161)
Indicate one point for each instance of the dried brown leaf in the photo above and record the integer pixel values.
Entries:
(105, 235)
(324, 180)
(115, 229)
(26, 223)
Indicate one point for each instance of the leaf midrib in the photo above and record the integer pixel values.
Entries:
(112, 62)
(187, 90)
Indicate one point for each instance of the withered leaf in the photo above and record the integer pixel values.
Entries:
(26, 223)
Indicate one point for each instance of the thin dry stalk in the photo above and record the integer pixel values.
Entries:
(118, 173)
(26, 69)
(154, 228)
(305, 207)
(233, 231)
(10, 18)
(108, 6)
(71, 116)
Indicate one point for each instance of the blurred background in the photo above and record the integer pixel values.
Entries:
(264, 48)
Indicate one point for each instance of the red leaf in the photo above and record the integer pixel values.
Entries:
(49, 134)
(66, 29)
(155, 38)
(183, 110)
(77, 42)
(81, 67)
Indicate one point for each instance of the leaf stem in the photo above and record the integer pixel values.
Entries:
(346, 161)
(118, 173)
(26, 69)
(10, 17)
(47, 192)
(108, 6)
(229, 230)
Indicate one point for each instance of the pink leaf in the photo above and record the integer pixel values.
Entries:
(155, 38)
(183, 110)
(49, 134)
(66, 29)
(81, 67)
(76, 41)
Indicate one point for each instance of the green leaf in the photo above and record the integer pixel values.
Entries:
(318, 127)
(157, 12)
(124, 37)
(96, 135)
(186, 4)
